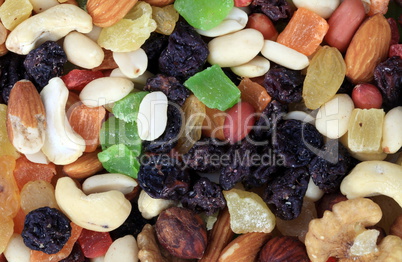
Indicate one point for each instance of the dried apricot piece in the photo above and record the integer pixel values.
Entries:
(9, 193)
(6, 231)
(19, 220)
(304, 32)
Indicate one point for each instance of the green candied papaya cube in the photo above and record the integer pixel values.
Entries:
(115, 131)
(204, 14)
(127, 108)
(120, 159)
(212, 87)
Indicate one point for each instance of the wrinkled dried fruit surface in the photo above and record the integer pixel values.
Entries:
(46, 229)
(268, 120)
(170, 86)
(286, 192)
(11, 70)
(153, 47)
(274, 9)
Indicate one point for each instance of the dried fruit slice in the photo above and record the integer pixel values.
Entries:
(36, 194)
(9, 193)
(120, 159)
(6, 147)
(248, 212)
(13, 12)
(6, 231)
(165, 18)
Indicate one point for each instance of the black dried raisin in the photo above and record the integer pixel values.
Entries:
(170, 86)
(153, 47)
(46, 229)
(268, 120)
(274, 9)
(11, 70)
(76, 255)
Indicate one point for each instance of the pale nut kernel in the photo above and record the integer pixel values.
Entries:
(106, 182)
(89, 54)
(40, 6)
(132, 64)
(16, 249)
(233, 22)
(105, 90)
(62, 145)
(139, 81)
(258, 66)
(101, 212)
(371, 178)
(52, 24)
(123, 249)
(391, 135)
(321, 8)
(284, 55)
(152, 207)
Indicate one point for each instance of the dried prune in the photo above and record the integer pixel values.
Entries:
(240, 163)
(388, 77)
(45, 62)
(330, 166)
(11, 71)
(284, 85)
(170, 86)
(205, 196)
(274, 9)
(76, 255)
(168, 140)
(185, 54)
(296, 142)
(46, 229)
(205, 155)
(268, 120)
(153, 47)
(163, 177)
(286, 193)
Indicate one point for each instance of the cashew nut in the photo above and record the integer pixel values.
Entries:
(52, 24)
(107, 182)
(102, 212)
(62, 145)
(371, 178)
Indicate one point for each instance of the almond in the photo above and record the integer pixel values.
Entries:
(85, 166)
(368, 48)
(244, 248)
(220, 235)
(108, 12)
(26, 118)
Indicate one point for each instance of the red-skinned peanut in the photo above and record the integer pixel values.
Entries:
(366, 96)
(263, 24)
(239, 122)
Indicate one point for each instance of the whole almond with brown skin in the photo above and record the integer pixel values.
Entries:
(284, 249)
(244, 248)
(368, 48)
(181, 232)
(106, 13)
(86, 165)
(26, 118)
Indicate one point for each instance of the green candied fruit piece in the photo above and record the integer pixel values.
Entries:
(212, 87)
(204, 14)
(115, 131)
(127, 108)
(120, 159)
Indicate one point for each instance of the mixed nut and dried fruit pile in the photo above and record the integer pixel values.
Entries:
(199, 130)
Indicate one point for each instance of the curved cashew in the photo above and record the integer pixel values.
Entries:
(52, 24)
(371, 178)
(101, 212)
(62, 145)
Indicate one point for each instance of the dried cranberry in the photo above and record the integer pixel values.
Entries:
(286, 193)
(185, 54)
(274, 9)
(170, 86)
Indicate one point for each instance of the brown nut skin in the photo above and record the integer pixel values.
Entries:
(396, 227)
(327, 201)
(284, 249)
(182, 232)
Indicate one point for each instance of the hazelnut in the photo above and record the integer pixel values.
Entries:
(327, 201)
(396, 227)
(284, 248)
(181, 232)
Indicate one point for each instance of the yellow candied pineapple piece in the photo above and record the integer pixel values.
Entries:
(130, 32)
(248, 212)
(6, 147)
(166, 18)
(6, 231)
(365, 130)
(14, 12)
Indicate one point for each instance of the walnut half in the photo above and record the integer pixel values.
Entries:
(342, 233)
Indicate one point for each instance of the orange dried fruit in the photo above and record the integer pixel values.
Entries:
(255, 94)
(9, 193)
(26, 171)
(19, 220)
(6, 231)
(304, 32)
(39, 256)
(87, 122)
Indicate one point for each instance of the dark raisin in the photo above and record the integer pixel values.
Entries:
(185, 54)
(268, 120)
(285, 193)
(168, 140)
(132, 225)
(296, 142)
(330, 166)
(11, 70)
(346, 87)
(153, 47)
(205, 155)
(205, 196)
(274, 9)
(388, 77)
(170, 86)
(240, 163)
(163, 177)
(76, 255)
(46, 229)
(284, 85)
(45, 62)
